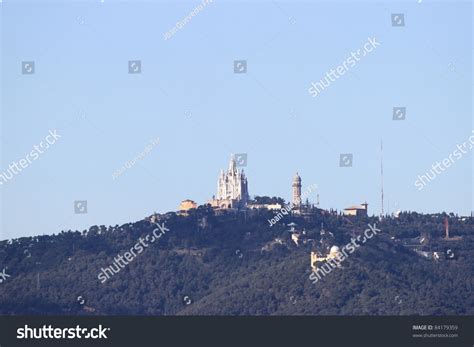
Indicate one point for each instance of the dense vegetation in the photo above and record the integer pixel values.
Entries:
(207, 264)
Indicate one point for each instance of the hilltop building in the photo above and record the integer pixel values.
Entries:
(297, 190)
(298, 206)
(232, 194)
(357, 210)
(232, 188)
(185, 206)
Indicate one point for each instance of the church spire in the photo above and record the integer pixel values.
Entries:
(232, 164)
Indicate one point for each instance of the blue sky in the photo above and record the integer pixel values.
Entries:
(188, 96)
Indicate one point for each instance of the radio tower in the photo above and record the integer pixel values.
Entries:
(381, 176)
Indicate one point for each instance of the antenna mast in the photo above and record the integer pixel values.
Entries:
(381, 175)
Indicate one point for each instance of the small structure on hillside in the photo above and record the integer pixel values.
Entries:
(271, 207)
(334, 253)
(186, 205)
(357, 210)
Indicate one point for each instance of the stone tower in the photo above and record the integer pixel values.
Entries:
(297, 190)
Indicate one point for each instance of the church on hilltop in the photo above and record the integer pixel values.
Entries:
(232, 188)
(233, 195)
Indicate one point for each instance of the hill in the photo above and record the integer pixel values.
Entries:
(236, 264)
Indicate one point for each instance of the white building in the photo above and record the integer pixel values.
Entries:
(232, 188)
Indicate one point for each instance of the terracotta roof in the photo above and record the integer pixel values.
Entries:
(355, 207)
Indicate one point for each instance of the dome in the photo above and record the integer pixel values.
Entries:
(334, 250)
(297, 178)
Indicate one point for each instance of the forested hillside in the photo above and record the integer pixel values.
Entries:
(236, 264)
